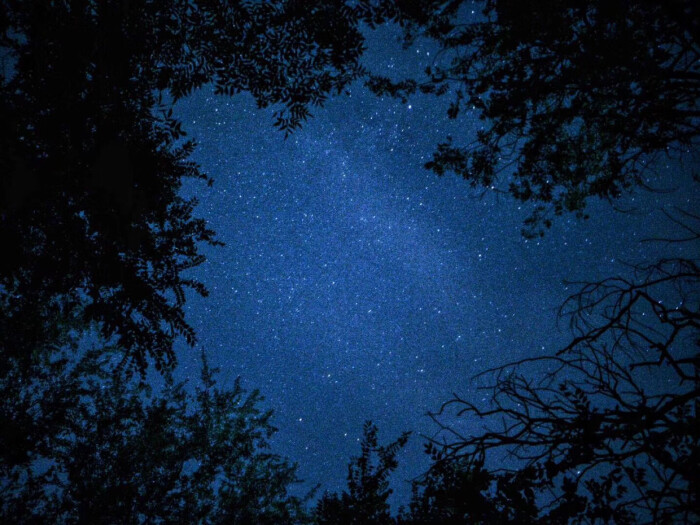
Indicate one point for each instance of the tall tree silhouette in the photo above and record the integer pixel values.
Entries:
(577, 99)
(92, 157)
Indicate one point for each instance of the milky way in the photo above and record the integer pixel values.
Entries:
(355, 284)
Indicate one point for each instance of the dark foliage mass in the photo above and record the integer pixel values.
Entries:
(92, 158)
(92, 445)
(455, 492)
(578, 99)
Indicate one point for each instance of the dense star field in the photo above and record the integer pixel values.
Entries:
(357, 285)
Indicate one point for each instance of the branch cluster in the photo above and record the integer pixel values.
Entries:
(616, 412)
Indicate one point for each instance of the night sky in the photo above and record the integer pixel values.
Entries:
(357, 285)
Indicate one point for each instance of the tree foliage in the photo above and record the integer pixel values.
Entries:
(366, 498)
(457, 491)
(83, 442)
(92, 157)
(577, 99)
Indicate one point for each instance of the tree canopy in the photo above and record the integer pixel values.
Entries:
(92, 157)
(83, 442)
(577, 99)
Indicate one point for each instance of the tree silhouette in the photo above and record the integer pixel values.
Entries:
(92, 158)
(99, 446)
(578, 100)
(456, 492)
(453, 491)
(365, 500)
(612, 429)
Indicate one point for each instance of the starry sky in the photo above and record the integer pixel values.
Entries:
(355, 285)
